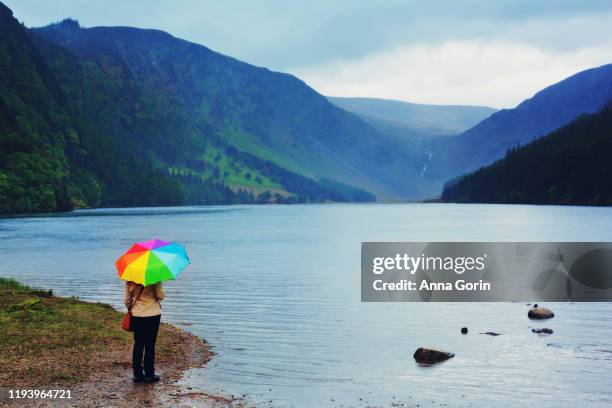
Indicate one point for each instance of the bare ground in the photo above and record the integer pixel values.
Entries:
(111, 385)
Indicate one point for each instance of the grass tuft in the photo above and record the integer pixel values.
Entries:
(12, 284)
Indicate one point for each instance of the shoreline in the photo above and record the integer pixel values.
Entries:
(381, 203)
(49, 342)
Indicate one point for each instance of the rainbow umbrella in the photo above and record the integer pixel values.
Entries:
(152, 261)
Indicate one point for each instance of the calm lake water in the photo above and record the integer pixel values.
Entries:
(276, 291)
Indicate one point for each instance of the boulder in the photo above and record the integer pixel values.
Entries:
(464, 330)
(430, 356)
(539, 312)
(544, 330)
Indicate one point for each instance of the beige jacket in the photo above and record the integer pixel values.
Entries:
(148, 303)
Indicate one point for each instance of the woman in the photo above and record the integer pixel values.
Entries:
(146, 314)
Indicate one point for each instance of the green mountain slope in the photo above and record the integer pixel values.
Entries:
(271, 116)
(569, 166)
(82, 131)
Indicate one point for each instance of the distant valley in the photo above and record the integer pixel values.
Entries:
(414, 120)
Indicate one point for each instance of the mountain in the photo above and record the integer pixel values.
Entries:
(414, 119)
(118, 116)
(48, 160)
(77, 131)
(206, 102)
(585, 92)
(569, 166)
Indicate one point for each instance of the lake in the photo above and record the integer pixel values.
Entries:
(276, 291)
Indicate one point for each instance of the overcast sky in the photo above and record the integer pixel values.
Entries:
(478, 52)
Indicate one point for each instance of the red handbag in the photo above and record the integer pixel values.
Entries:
(126, 323)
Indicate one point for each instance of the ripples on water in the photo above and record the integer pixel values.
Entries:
(275, 290)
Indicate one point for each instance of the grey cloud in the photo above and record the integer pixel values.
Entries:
(283, 35)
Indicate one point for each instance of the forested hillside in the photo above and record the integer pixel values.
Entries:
(569, 166)
(34, 129)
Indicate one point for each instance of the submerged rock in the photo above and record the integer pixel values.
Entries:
(464, 330)
(544, 330)
(539, 312)
(427, 355)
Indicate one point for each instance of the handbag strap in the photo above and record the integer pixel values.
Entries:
(135, 300)
(155, 292)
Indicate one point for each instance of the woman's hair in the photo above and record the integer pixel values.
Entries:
(133, 286)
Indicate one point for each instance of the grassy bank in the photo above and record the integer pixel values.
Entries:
(64, 342)
(48, 340)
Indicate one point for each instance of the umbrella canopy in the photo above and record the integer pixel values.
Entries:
(152, 261)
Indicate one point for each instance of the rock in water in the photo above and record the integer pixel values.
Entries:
(464, 330)
(539, 312)
(427, 355)
(545, 330)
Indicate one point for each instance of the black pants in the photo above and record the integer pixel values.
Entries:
(145, 335)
